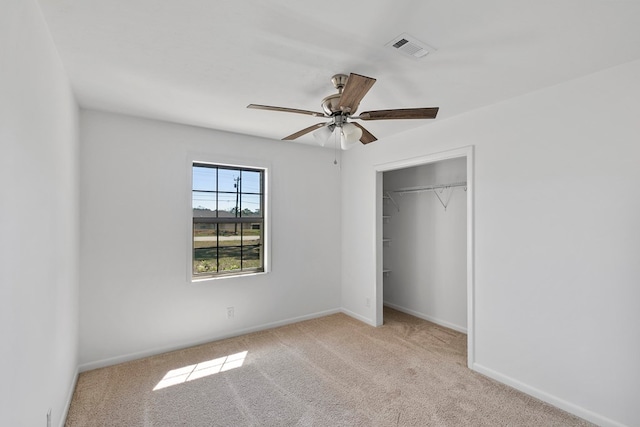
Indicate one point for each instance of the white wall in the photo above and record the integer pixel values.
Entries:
(38, 222)
(556, 231)
(135, 206)
(557, 238)
(428, 249)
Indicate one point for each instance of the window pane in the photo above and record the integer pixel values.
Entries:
(251, 182)
(229, 258)
(230, 234)
(204, 248)
(227, 179)
(204, 178)
(250, 205)
(227, 203)
(204, 261)
(252, 256)
(204, 204)
(204, 235)
(252, 233)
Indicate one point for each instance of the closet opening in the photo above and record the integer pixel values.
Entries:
(424, 220)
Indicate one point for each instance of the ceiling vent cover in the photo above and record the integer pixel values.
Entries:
(410, 46)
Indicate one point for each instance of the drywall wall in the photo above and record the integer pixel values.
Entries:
(427, 253)
(38, 222)
(135, 228)
(556, 208)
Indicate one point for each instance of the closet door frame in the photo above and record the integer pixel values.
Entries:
(468, 153)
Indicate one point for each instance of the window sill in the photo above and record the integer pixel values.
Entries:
(226, 276)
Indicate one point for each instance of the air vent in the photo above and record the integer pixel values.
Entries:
(410, 46)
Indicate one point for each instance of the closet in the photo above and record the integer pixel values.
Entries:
(425, 241)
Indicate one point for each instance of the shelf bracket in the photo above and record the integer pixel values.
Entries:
(387, 195)
(449, 193)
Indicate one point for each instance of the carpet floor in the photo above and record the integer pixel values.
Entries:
(330, 371)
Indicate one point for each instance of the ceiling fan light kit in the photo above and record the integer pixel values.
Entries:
(340, 107)
(349, 136)
(323, 134)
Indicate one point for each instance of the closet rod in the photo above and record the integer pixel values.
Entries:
(429, 187)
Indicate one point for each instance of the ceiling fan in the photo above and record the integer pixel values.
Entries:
(340, 107)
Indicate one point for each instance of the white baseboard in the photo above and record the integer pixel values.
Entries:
(549, 398)
(159, 350)
(67, 405)
(358, 317)
(427, 317)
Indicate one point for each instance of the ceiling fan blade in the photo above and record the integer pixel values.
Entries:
(406, 113)
(286, 110)
(303, 132)
(367, 136)
(356, 88)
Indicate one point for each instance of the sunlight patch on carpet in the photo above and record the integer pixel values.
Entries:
(201, 370)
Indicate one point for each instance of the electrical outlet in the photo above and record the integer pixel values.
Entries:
(230, 312)
(367, 302)
(49, 418)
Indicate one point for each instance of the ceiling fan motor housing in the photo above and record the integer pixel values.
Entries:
(331, 103)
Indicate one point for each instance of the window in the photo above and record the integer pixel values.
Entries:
(228, 220)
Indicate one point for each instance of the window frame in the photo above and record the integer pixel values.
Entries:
(248, 165)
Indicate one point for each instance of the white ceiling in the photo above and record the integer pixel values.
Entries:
(200, 62)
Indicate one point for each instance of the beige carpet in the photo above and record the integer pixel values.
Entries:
(332, 371)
